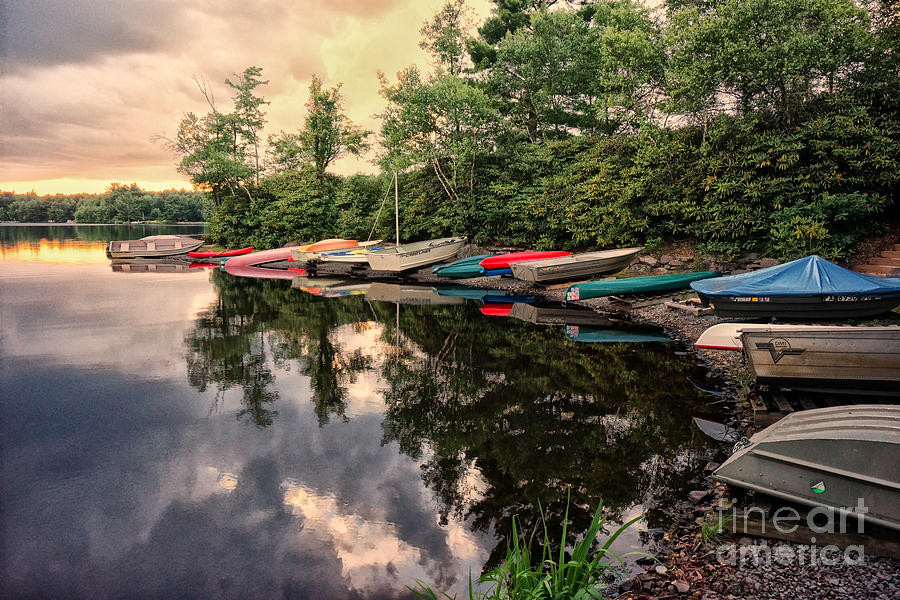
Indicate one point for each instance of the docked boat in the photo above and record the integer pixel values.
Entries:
(222, 254)
(406, 257)
(727, 336)
(635, 285)
(153, 246)
(409, 294)
(807, 288)
(575, 266)
(333, 245)
(503, 261)
(834, 458)
(840, 359)
(258, 258)
(462, 268)
(554, 314)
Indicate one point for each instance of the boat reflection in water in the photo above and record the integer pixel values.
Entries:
(502, 413)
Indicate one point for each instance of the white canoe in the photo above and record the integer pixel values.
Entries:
(571, 267)
(406, 257)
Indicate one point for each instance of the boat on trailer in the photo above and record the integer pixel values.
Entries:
(405, 257)
(807, 288)
(574, 266)
(152, 246)
(839, 359)
(836, 458)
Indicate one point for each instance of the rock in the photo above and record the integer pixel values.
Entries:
(661, 569)
(765, 263)
(648, 260)
(682, 586)
(711, 466)
(727, 267)
(667, 259)
(751, 256)
(698, 496)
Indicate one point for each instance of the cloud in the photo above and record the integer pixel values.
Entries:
(87, 84)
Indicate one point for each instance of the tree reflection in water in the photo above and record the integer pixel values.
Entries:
(502, 414)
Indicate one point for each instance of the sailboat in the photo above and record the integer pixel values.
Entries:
(405, 257)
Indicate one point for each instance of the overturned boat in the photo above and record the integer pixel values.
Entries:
(843, 459)
(807, 288)
(568, 268)
(840, 359)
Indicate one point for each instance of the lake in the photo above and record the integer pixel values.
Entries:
(188, 433)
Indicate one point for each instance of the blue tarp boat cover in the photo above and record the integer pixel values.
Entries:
(810, 276)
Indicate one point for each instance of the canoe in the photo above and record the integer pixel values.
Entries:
(258, 258)
(357, 256)
(840, 359)
(314, 251)
(406, 257)
(581, 333)
(495, 272)
(807, 288)
(152, 246)
(635, 285)
(727, 336)
(409, 294)
(827, 457)
(555, 314)
(464, 267)
(575, 266)
(223, 253)
(502, 261)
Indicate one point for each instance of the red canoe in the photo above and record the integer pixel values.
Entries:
(501, 261)
(496, 309)
(213, 254)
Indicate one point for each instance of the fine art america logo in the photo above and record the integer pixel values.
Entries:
(821, 520)
(779, 347)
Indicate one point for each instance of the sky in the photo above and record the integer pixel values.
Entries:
(85, 85)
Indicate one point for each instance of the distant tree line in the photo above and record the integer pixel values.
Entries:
(119, 204)
(740, 125)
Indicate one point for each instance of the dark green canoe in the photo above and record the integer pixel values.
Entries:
(464, 267)
(635, 285)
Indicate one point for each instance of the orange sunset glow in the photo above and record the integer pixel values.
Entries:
(86, 84)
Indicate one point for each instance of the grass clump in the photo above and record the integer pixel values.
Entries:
(580, 576)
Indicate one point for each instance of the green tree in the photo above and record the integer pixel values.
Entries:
(220, 151)
(328, 133)
(763, 54)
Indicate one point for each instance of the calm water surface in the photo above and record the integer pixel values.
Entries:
(194, 434)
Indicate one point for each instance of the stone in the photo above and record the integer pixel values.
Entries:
(751, 256)
(765, 263)
(711, 466)
(727, 266)
(698, 495)
(661, 569)
(648, 260)
(682, 586)
(667, 259)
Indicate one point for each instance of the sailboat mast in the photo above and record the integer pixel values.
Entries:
(396, 209)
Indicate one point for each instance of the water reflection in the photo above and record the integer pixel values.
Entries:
(502, 414)
(230, 437)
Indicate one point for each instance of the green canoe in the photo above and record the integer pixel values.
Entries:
(635, 285)
(464, 267)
